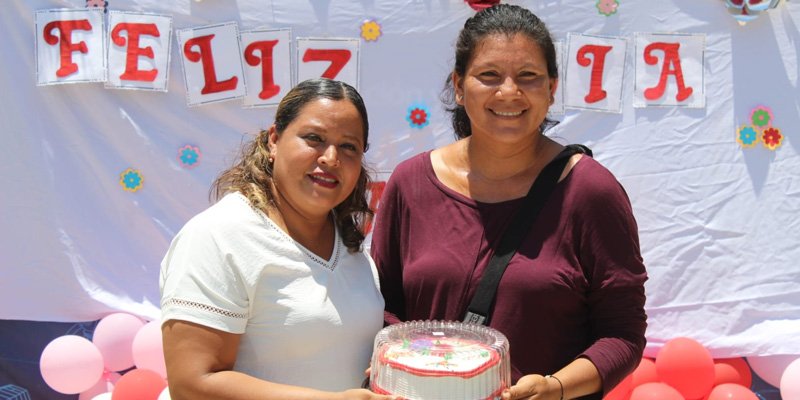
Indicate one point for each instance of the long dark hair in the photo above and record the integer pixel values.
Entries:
(504, 19)
(251, 173)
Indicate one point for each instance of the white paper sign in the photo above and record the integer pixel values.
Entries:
(329, 58)
(70, 46)
(669, 70)
(138, 50)
(267, 61)
(595, 72)
(212, 63)
(558, 102)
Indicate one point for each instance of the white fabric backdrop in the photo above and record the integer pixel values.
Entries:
(718, 223)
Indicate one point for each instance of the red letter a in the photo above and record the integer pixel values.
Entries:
(671, 66)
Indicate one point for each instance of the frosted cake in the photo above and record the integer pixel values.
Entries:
(440, 360)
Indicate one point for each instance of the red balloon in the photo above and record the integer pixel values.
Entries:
(732, 370)
(622, 391)
(655, 391)
(139, 384)
(645, 373)
(687, 366)
(731, 391)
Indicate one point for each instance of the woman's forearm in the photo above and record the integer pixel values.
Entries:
(579, 378)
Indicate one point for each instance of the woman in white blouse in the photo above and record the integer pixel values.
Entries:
(267, 294)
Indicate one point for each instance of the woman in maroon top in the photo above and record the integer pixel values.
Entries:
(571, 301)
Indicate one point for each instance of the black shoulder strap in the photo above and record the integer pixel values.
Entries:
(479, 308)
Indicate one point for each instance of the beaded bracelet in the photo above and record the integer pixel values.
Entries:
(559, 384)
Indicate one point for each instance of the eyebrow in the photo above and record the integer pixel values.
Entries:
(497, 65)
(314, 125)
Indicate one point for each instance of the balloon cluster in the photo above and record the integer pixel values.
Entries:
(122, 343)
(684, 370)
(745, 11)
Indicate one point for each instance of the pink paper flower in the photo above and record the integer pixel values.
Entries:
(607, 7)
(97, 4)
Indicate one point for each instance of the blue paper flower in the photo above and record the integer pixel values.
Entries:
(747, 136)
(189, 156)
(131, 180)
(418, 116)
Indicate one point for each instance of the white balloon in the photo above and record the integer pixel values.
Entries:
(164, 394)
(102, 396)
(770, 368)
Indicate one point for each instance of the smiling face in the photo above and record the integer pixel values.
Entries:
(506, 90)
(318, 156)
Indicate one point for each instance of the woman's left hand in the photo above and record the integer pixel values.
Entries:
(532, 387)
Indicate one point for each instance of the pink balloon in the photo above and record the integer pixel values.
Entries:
(687, 366)
(621, 391)
(71, 364)
(114, 336)
(104, 385)
(655, 391)
(148, 350)
(139, 384)
(731, 391)
(770, 368)
(644, 373)
(790, 381)
(732, 370)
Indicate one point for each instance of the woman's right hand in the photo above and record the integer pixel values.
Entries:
(364, 394)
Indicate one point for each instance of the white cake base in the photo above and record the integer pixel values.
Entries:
(435, 360)
(484, 386)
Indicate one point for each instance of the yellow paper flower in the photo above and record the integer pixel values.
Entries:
(370, 30)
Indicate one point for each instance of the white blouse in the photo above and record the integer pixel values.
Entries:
(304, 320)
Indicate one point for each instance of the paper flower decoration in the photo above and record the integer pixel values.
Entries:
(607, 7)
(188, 156)
(772, 138)
(131, 180)
(418, 116)
(761, 117)
(747, 136)
(478, 5)
(370, 30)
(745, 11)
(97, 4)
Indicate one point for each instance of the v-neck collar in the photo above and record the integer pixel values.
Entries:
(329, 264)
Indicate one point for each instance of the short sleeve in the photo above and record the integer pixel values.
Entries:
(199, 282)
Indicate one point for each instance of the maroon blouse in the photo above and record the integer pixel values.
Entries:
(575, 288)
